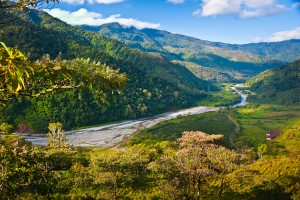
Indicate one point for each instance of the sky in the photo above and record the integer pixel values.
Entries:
(229, 21)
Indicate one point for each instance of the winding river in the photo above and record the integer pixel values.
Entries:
(108, 135)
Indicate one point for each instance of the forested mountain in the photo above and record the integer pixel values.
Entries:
(280, 85)
(233, 63)
(288, 51)
(155, 84)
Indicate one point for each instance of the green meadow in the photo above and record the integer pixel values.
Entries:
(246, 125)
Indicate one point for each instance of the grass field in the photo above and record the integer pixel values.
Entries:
(211, 122)
(224, 97)
(254, 122)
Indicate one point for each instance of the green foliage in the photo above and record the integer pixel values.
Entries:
(277, 86)
(23, 169)
(224, 97)
(272, 178)
(199, 157)
(14, 69)
(56, 136)
(10, 10)
(256, 121)
(212, 74)
(21, 77)
(198, 168)
(5, 128)
(287, 51)
(168, 85)
(211, 122)
(261, 149)
(9, 5)
(121, 174)
(221, 61)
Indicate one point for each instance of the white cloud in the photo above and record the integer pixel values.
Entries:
(73, 1)
(92, 1)
(216, 7)
(84, 17)
(258, 3)
(105, 1)
(197, 12)
(281, 36)
(296, 5)
(176, 1)
(241, 8)
(277, 9)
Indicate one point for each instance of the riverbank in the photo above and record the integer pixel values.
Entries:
(109, 135)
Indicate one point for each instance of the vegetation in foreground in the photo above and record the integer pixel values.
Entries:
(194, 166)
(167, 169)
(162, 163)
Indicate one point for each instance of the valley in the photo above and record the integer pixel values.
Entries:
(110, 135)
(102, 106)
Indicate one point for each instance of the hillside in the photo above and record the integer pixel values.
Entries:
(287, 51)
(280, 85)
(155, 84)
(221, 57)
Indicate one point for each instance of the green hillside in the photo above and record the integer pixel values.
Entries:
(280, 85)
(287, 51)
(155, 84)
(226, 60)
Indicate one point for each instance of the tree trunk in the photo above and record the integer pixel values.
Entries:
(221, 188)
(198, 187)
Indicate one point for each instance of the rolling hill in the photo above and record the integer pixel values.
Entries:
(280, 85)
(155, 84)
(233, 61)
(287, 51)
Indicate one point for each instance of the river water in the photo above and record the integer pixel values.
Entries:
(109, 135)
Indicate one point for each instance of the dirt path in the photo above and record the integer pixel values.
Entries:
(236, 130)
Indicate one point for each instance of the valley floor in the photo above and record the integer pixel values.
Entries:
(109, 135)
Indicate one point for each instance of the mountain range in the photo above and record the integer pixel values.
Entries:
(207, 60)
(166, 71)
(155, 83)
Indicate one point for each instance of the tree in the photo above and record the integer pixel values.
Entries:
(5, 128)
(23, 169)
(57, 137)
(261, 149)
(200, 156)
(21, 77)
(10, 10)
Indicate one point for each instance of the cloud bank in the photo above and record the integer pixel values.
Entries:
(241, 8)
(84, 17)
(281, 36)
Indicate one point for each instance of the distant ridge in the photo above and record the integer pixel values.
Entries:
(236, 62)
(155, 84)
(280, 85)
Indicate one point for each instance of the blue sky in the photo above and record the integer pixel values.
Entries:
(230, 21)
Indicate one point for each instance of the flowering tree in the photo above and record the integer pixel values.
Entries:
(200, 156)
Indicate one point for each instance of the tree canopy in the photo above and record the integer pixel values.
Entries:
(11, 8)
(21, 77)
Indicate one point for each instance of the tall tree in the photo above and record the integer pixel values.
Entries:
(200, 156)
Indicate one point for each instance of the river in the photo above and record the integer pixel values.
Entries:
(109, 135)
